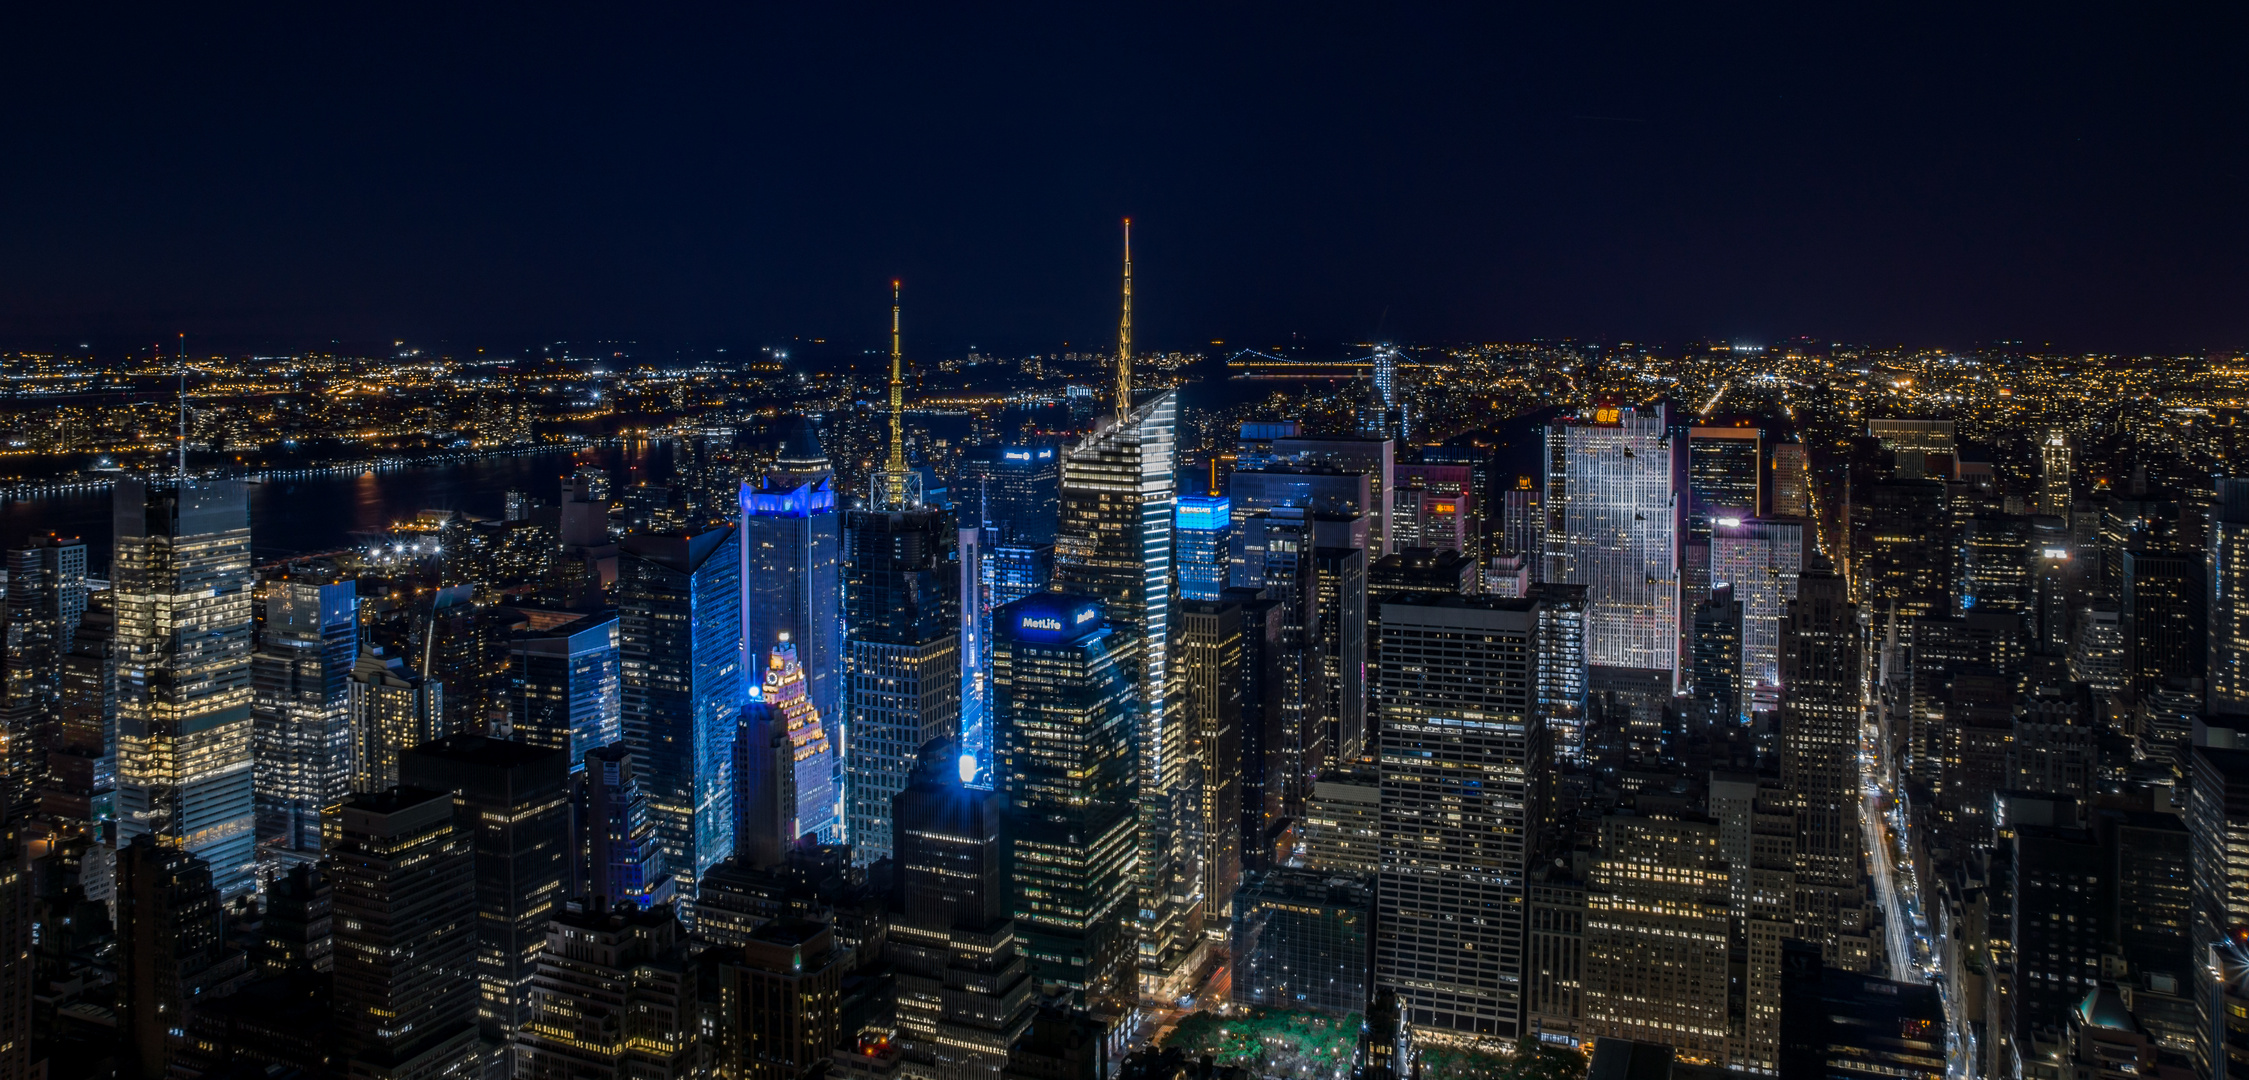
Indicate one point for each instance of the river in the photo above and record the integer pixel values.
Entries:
(323, 513)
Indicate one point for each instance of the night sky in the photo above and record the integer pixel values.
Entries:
(1869, 173)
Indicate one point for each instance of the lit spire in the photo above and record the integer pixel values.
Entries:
(897, 391)
(1124, 333)
(895, 486)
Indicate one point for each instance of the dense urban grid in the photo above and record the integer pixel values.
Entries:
(1793, 710)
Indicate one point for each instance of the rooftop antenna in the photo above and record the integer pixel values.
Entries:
(1124, 333)
(183, 409)
(896, 487)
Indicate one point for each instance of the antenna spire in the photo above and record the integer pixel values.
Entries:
(895, 486)
(183, 408)
(897, 391)
(1124, 333)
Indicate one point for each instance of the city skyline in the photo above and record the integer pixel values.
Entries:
(1251, 687)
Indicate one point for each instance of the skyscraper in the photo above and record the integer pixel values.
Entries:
(792, 567)
(2226, 560)
(172, 949)
(679, 635)
(1014, 487)
(46, 596)
(2164, 622)
(902, 605)
(1203, 535)
(617, 857)
(1656, 936)
(18, 964)
(568, 683)
(1114, 544)
(404, 881)
(513, 801)
(1374, 458)
(1064, 688)
(614, 997)
(301, 678)
(81, 781)
(784, 766)
(1715, 653)
(1612, 525)
(1274, 553)
(1340, 575)
(976, 659)
(965, 993)
(2054, 473)
(1822, 659)
(1725, 474)
(1760, 559)
(1463, 764)
(393, 710)
(182, 581)
(1792, 481)
(1212, 651)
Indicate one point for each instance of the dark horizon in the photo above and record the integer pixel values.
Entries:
(517, 175)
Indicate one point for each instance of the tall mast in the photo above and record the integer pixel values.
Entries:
(1124, 333)
(183, 408)
(897, 392)
(895, 486)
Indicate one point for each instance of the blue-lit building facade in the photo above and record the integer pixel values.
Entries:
(1014, 488)
(301, 708)
(680, 639)
(568, 683)
(1202, 534)
(792, 566)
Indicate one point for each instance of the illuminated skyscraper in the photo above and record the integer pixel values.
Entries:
(1463, 766)
(404, 878)
(2054, 473)
(1725, 470)
(976, 660)
(1211, 654)
(301, 675)
(792, 559)
(615, 997)
(1613, 511)
(513, 801)
(2227, 563)
(1015, 487)
(617, 858)
(46, 597)
(183, 586)
(1823, 676)
(1065, 687)
(1761, 559)
(1274, 552)
(1203, 532)
(568, 686)
(679, 626)
(902, 608)
(965, 992)
(393, 710)
(1656, 936)
(784, 766)
(1114, 544)
(1375, 458)
(1435, 504)
(1792, 481)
